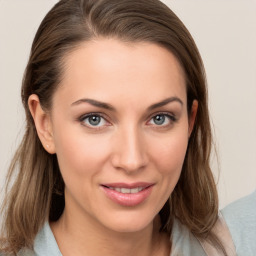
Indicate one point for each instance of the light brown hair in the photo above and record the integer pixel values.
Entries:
(37, 191)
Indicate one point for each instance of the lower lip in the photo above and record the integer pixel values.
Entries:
(128, 199)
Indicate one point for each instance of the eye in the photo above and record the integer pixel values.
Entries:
(93, 120)
(162, 120)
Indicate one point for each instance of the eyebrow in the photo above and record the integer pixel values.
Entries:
(107, 106)
(165, 102)
(95, 103)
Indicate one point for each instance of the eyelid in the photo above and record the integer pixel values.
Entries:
(166, 113)
(171, 116)
(84, 116)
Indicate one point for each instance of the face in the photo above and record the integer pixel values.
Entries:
(120, 129)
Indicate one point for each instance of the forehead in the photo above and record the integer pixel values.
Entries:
(106, 69)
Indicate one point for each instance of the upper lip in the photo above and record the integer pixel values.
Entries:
(128, 185)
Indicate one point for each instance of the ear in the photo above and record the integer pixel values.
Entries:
(192, 116)
(43, 123)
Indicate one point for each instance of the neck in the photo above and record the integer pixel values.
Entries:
(82, 237)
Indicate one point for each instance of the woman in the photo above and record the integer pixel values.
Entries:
(115, 158)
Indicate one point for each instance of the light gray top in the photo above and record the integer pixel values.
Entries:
(240, 217)
(183, 243)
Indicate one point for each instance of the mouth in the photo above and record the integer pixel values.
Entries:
(128, 194)
(127, 190)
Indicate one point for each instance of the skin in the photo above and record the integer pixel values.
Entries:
(128, 145)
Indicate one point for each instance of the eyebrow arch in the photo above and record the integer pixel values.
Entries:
(107, 106)
(165, 102)
(95, 103)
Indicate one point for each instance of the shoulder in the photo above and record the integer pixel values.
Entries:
(44, 244)
(184, 242)
(245, 206)
(240, 217)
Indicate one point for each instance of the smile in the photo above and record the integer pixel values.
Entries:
(127, 190)
(128, 194)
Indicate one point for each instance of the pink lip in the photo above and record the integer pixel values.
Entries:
(129, 199)
(128, 185)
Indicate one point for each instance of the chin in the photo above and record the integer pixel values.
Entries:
(128, 228)
(129, 222)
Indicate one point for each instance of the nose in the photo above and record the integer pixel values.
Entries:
(129, 150)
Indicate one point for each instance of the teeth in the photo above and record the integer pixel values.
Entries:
(134, 190)
(127, 190)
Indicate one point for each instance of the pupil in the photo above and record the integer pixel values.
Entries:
(159, 119)
(94, 120)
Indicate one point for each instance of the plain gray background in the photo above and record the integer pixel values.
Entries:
(225, 32)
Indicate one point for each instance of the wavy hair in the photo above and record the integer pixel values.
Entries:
(36, 193)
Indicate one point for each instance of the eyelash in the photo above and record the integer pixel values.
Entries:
(172, 119)
(84, 117)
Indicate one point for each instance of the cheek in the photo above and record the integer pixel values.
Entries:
(81, 159)
(170, 153)
(80, 154)
(168, 157)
